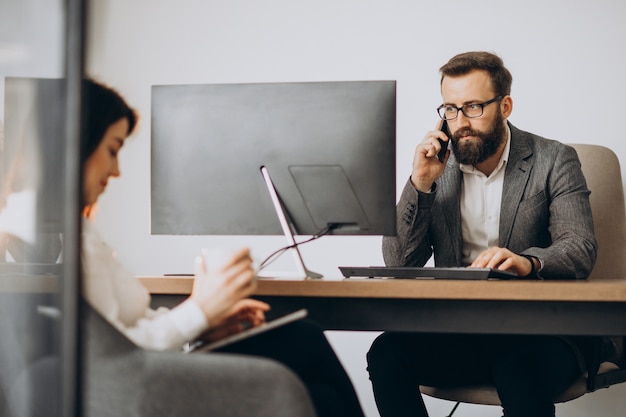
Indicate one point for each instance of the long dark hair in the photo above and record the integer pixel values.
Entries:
(102, 106)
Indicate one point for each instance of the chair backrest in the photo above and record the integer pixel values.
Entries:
(604, 178)
(112, 369)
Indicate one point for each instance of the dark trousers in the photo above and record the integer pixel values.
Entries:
(303, 347)
(528, 371)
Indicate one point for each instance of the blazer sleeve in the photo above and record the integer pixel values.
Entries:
(572, 248)
(411, 246)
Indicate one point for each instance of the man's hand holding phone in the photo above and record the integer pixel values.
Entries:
(443, 152)
(429, 160)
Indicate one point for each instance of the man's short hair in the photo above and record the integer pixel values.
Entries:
(466, 62)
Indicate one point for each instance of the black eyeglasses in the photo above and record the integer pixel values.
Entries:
(472, 110)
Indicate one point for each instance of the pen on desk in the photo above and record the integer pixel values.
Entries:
(178, 275)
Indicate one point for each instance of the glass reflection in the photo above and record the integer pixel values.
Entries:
(32, 138)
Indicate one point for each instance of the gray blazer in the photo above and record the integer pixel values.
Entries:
(545, 212)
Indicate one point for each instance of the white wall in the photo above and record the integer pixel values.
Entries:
(567, 61)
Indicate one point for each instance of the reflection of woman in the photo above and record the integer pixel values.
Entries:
(29, 201)
(29, 247)
(217, 305)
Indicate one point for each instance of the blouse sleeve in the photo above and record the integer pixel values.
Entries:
(167, 329)
(121, 299)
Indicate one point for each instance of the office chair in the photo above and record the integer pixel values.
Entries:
(117, 378)
(121, 379)
(604, 178)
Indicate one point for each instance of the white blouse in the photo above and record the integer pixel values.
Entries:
(121, 299)
(18, 217)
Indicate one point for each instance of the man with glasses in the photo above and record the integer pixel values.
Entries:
(502, 198)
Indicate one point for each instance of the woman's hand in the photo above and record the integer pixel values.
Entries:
(244, 314)
(217, 291)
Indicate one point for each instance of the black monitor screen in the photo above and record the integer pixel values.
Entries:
(329, 148)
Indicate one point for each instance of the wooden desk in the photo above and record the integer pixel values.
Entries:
(550, 307)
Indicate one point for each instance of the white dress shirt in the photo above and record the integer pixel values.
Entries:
(122, 300)
(481, 198)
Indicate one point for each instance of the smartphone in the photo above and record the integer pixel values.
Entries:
(444, 144)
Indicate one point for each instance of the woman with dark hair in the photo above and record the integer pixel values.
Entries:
(217, 305)
(102, 108)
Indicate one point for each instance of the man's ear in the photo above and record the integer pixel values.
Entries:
(506, 105)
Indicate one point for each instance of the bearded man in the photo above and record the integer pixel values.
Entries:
(502, 198)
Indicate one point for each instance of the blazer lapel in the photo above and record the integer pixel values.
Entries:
(516, 176)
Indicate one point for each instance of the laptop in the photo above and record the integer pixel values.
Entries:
(425, 272)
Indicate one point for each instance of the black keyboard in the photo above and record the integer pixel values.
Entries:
(410, 272)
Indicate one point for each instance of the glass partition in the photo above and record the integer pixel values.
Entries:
(38, 232)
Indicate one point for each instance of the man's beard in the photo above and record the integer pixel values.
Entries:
(472, 152)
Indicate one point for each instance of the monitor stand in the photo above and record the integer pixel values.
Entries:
(302, 270)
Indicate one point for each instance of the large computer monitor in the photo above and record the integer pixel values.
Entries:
(328, 149)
